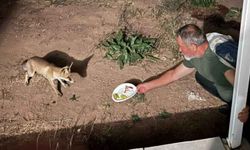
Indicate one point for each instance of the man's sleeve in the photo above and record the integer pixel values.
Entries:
(187, 64)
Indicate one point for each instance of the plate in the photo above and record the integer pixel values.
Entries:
(124, 92)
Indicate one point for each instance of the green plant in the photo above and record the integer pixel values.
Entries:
(138, 98)
(164, 114)
(129, 48)
(203, 3)
(57, 2)
(74, 98)
(233, 11)
(135, 118)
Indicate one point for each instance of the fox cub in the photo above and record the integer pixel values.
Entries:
(48, 70)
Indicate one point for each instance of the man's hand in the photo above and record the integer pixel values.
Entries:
(244, 114)
(143, 88)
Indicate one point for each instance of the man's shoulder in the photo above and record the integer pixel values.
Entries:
(215, 39)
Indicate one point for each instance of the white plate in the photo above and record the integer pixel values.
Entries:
(124, 92)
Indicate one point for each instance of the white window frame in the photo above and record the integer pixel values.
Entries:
(241, 78)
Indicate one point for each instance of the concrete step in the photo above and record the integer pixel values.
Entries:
(204, 144)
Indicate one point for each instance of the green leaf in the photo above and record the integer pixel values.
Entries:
(203, 3)
(119, 36)
(132, 40)
(112, 42)
(126, 58)
(135, 118)
(150, 41)
(105, 44)
(129, 49)
(164, 114)
(138, 40)
(116, 47)
(121, 61)
(135, 57)
(145, 46)
(136, 46)
(109, 56)
(123, 44)
(151, 57)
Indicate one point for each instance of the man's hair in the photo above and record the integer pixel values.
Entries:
(191, 34)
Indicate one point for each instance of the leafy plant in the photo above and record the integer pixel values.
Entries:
(135, 118)
(164, 114)
(233, 11)
(129, 48)
(57, 2)
(203, 3)
(74, 98)
(138, 98)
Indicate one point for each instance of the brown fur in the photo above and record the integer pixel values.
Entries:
(48, 70)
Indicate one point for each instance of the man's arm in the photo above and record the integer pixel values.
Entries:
(168, 77)
(230, 74)
(244, 114)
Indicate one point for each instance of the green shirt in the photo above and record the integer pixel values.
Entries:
(210, 67)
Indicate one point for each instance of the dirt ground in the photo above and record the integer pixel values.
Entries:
(72, 31)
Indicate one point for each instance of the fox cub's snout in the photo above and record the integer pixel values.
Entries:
(49, 71)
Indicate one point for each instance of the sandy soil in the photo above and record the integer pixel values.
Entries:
(72, 32)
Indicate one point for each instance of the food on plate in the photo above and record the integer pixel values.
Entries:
(116, 96)
(119, 96)
(123, 96)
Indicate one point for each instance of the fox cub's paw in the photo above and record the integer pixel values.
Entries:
(27, 83)
(59, 94)
(67, 84)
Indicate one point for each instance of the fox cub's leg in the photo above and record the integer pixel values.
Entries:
(64, 85)
(28, 75)
(26, 78)
(55, 87)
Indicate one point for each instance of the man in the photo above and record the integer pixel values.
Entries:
(213, 75)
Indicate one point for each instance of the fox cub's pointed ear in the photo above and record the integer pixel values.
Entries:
(65, 69)
(70, 65)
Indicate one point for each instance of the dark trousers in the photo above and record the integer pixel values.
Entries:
(209, 86)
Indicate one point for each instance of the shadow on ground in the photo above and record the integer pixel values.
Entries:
(61, 59)
(126, 134)
(216, 23)
(6, 8)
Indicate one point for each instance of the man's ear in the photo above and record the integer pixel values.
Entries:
(194, 47)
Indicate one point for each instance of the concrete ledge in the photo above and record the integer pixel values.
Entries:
(204, 144)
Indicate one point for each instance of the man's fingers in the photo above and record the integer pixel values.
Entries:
(246, 109)
(141, 88)
(243, 115)
(243, 119)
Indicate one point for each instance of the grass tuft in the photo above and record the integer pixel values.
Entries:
(163, 114)
(135, 118)
(203, 3)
